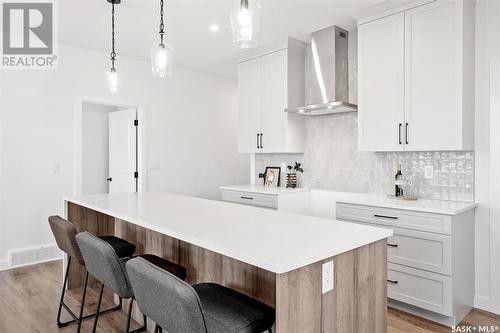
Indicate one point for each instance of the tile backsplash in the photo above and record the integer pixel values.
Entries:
(332, 162)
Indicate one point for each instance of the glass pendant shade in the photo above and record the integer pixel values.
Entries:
(162, 57)
(112, 80)
(245, 23)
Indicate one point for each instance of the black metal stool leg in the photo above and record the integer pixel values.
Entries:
(129, 317)
(80, 318)
(98, 308)
(158, 329)
(61, 302)
(73, 315)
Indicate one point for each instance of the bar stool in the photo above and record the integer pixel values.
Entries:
(64, 232)
(178, 307)
(104, 265)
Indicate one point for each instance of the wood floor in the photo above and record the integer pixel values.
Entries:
(29, 299)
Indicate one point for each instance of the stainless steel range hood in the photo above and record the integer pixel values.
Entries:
(327, 74)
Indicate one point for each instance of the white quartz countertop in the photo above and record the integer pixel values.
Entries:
(254, 188)
(276, 241)
(421, 205)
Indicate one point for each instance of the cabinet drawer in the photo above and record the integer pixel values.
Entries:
(421, 250)
(421, 221)
(417, 249)
(423, 289)
(255, 199)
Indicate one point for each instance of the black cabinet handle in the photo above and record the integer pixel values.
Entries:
(392, 281)
(385, 217)
(247, 198)
(400, 142)
(261, 144)
(258, 141)
(109, 179)
(406, 134)
(392, 245)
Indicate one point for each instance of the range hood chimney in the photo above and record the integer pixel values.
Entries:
(327, 74)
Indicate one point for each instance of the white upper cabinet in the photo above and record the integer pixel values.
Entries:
(271, 79)
(249, 101)
(420, 82)
(381, 83)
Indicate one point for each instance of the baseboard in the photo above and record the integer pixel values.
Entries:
(33, 255)
(482, 302)
(429, 315)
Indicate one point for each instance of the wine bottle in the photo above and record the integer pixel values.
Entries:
(398, 182)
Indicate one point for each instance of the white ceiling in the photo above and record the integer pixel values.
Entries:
(87, 24)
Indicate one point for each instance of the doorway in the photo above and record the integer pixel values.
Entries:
(107, 148)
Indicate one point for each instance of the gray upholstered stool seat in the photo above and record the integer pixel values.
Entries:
(178, 307)
(227, 310)
(121, 246)
(166, 265)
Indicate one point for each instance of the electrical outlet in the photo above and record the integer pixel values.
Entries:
(328, 276)
(429, 171)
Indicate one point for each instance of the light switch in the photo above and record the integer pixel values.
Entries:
(429, 171)
(328, 277)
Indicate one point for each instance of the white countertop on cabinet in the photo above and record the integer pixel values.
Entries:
(273, 240)
(421, 205)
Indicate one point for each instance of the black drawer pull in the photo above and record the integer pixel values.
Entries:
(392, 245)
(247, 198)
(386, 217)
(400, 142)
(392, 281)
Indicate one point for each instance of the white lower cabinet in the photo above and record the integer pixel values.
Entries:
(430, 259)
(287, 200)
(420, 288)
(248, 198)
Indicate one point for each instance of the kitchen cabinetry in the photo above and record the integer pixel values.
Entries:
(429, 259)
(271, 79)
(416, 78)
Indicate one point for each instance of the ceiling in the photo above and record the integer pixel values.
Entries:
(86, 24)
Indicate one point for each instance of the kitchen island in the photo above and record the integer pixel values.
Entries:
(270, 255)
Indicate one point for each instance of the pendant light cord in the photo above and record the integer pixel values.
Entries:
(113, 53)
(162, 26)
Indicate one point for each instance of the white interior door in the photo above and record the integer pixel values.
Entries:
(122, 151)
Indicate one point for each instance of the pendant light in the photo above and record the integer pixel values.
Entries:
(245, 23)
(112, 75)
(162, 54)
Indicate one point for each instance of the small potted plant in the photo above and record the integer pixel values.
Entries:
(291, 176)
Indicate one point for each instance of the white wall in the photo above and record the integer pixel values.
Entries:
(487, 242)
(191, 134)
(95, 147)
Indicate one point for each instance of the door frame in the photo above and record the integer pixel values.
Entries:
(77, 138)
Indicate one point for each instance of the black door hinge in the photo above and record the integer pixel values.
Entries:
(136, 174)
(136, 122)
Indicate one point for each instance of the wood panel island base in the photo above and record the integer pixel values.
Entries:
(258, 254)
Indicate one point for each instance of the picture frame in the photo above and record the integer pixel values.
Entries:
(272, 177)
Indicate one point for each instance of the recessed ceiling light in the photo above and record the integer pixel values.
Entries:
(214, 27)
